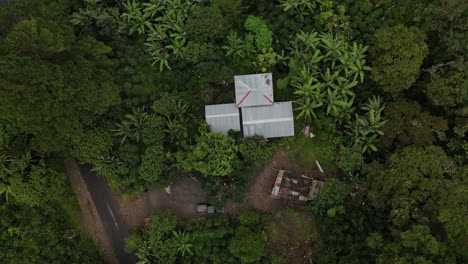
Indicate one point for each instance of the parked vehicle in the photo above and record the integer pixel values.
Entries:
(204, 208)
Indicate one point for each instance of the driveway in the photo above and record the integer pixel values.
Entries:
(109, 212)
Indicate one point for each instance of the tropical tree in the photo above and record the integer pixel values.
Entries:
(397, 55)
(212, 155)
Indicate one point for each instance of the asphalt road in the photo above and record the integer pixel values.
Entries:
(108, 212)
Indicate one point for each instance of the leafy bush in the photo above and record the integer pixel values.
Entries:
(250, 218)
(248, 245)
(255, 151)
(350, 159)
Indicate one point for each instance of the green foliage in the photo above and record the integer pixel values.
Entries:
(397, 56)
(263, 36)
(152, 166)
(445, 24)
(364, 130)
(54, 83)
(256, 46)
(163, 26)
(213, 155)
(206, 24)
(255, 151)
(408, 124)
(89, 146)
(250, 218)
(325, 68)
(159, 244)
(350, 159)
(98, 20)
(408, 178)
(248, 245)
(196, 52)
(327, 16)
(449, 91)
(331, 198)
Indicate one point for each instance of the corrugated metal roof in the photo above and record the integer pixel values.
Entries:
(268, 121)
(222, 117)
(254, 89)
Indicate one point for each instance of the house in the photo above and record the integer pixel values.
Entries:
(254, 112)
(295, 187)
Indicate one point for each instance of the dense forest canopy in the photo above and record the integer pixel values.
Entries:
(122, 85)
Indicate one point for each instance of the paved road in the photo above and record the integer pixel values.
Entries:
(108, 212)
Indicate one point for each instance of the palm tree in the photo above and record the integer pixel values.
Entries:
(182, 242)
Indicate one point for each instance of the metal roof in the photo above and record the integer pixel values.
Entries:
(222, 117)
(254, 89)
(268, 121)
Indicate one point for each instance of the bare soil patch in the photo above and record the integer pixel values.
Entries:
(258, 196)
(185, 194)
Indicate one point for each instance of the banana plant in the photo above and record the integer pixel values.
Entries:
(182, 242)
(107, 166)
(329, 78)
(177, 47)
(299, 8)
(132, 125)
(375, 104)
(307, 108)
(334, 46)
(158, 55)
(345, 109)
(136, 19)
(332, 98)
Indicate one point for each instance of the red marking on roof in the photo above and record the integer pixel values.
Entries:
(243, 98)
(269, 100)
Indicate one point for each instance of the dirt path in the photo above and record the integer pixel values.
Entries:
(185, 194)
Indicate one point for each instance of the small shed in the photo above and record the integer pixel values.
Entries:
(268, 121)
(254, 89)
(223, 117)
(295, 187)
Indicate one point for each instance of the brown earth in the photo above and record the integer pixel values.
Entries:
(90, 221)
(258, 196)
(185, 194)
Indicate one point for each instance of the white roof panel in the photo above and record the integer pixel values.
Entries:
(268, 121)
(254, 89)
(222, 117)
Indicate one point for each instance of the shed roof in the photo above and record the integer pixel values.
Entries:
(222, 117)
(268, 121)
(295, 187)
(254, 89)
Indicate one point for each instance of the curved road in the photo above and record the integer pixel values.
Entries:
(109, 213)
